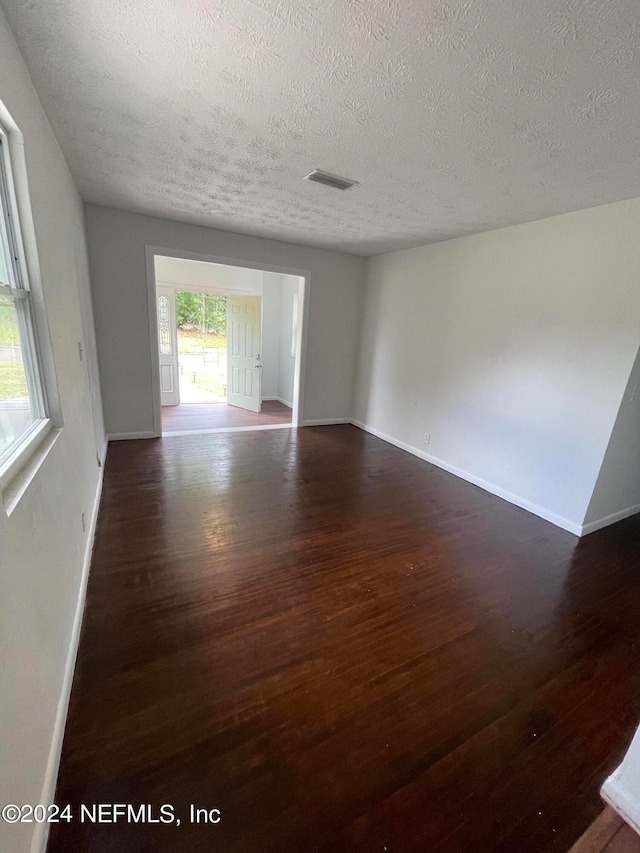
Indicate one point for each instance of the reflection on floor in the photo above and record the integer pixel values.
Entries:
(203, 416)
(342, 648)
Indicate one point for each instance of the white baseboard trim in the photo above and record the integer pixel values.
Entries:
(41, 830)
(125, 436)
(540, 511)
(592, 526)
(625, 805)
(259, 428)
(326, 421)
(280, 400)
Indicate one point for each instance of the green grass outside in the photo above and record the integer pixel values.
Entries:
(194, 342)
(13, 382)
(8, 326)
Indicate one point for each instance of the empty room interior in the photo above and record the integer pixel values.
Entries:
(319, 426)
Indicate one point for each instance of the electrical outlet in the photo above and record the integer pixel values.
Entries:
(427, 437)
(84, 523)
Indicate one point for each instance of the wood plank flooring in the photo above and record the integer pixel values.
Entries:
(343, 648)
(608, 834)
(222, 416)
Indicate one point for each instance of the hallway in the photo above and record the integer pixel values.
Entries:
(342, 648)
(204, 416)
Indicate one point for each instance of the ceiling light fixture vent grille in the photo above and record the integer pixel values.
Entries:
(328, 180)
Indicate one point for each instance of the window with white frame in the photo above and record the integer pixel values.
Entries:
(23, 409)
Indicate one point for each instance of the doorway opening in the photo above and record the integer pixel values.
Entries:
(201, 321)
(230, 345)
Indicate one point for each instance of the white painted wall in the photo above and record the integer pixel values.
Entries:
(622, 788)
(271, 296)
(118, 278)
(512, 348)
(196, 275)
(617, 491)
(287, 362)
(42, 546)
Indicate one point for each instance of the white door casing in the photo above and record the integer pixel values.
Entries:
(168, 346)
(244, 350)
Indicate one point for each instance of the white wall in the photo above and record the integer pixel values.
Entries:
(511, 348)
(43, 546)
(197, 275)
(622, 788)
(271, 296)
(118, 278)
(287, 362)
(617, 491)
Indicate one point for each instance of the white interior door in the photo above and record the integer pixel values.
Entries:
(244, 350)
(168, 346)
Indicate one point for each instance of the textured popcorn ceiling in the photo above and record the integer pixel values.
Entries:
(454, 116)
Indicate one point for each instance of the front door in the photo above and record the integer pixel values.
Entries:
(244, 348)
(168, 346)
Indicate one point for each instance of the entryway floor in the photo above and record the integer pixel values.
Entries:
(203, 416)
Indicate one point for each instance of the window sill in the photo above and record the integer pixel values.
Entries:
(19, 470)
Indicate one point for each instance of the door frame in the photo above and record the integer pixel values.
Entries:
(151, 252)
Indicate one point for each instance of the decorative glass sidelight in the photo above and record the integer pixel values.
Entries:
(164, 327)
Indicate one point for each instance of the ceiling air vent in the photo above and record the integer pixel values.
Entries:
(328, 180)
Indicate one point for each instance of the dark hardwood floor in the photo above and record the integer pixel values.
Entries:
(221, 416)
(608, 834)
(343, 648)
